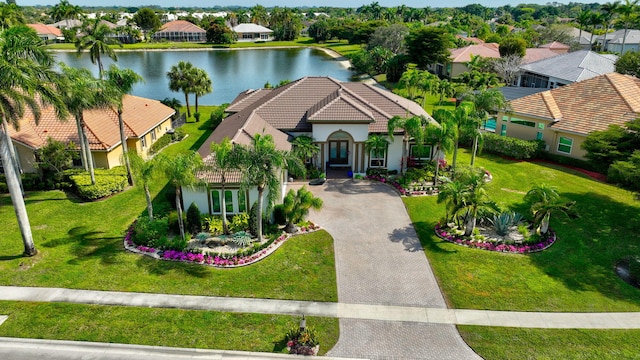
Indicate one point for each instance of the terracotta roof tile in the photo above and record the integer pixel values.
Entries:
(180, 26)
(42, 29)
(585, 106)
(485, 50)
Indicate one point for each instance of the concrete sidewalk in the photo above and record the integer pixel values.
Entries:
(405, 314)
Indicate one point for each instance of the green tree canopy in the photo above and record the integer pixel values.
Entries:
(513, 46)
(428, 45)
(629, 63)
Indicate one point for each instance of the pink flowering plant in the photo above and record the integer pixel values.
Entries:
(302, 341)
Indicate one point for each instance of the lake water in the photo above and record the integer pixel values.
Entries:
(231, 71)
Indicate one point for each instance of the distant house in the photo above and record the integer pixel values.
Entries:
(556, 47)
(253, 32)
(583, 37)
(338, 116)
(67, 24)
(563, 117)
(565, 69)
(181, 31)
(614, 41)
(145, 121)
(47, 33)
(461, 56)
(537, 54)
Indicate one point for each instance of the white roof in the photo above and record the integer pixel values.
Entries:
(574, 66)
(251, 28)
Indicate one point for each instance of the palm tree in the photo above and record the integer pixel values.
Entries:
(121, 83)
(95, 37)
(296, 206)
(304, 148)
(627, 12)
(262, 165)
(181, 172)
(485, 102)
(608, 10)
(474, 199)
(65, 11)
(181, 79)
(462, 119)
(376, 146)
(26, 81)
(443, 136)
(82, 92)
(583, 19)
(545, 200)
(452, 193)
(226, 160)
(414, 128)
(10, 15)
(596, 19)
(201, 84)
(144, 172)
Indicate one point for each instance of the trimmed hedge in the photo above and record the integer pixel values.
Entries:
(162, 141)
(108, 182)
(512, 147)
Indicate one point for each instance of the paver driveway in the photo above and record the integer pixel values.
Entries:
(379, 260)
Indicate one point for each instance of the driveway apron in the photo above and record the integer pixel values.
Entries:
(380, 261)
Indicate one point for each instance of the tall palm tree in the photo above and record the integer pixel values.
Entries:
(376, 146)
(628, 13)
(463, 120)
(144, 172)
(121, 83)
(262, 165)
(485, 102)
(10, 15)
(65, 11)
(96, 38)
(583, 19)
(608, 11)
(596, 19)
(181, 79)
(414, 129)
(443, 136)
(545, 200)
(181, 172)
(201, 84)
(26, 82)
(82, 92)
(452, 193)
(226, 160)
(304, 148)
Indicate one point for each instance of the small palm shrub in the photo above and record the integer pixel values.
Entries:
(296, 206)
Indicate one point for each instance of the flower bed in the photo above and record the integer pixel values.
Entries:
(206, 259)
(550, 239)
(395, 184)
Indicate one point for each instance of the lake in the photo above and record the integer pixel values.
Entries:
(231, 71)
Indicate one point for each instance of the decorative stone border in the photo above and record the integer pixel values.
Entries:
(492, 246)
(215, 261)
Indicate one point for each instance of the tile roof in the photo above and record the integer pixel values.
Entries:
(42, 29)
(463, 54)
(251, 28)
(180, 26)
(573, 66)
(140, 116)
(537, 54)
(586, 106)
(213, 175)
(555, 46)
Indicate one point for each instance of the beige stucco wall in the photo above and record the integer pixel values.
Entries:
(457, 69)
(26, 157)
(549, 135)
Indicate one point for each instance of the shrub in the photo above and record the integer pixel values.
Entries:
(148, 232)
(173, 221)
(253, 219)
(194, 222)
(505, 220)
(566, 160)
(511, 147)
(108, 182)
(239, 222)
(178, 134)
(301, 342)
(3, 187)
(163, 141)
(196, 116)
(214, 225)
(377, 171)
(278, 215)
(217, 115)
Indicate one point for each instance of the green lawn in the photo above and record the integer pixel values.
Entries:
(575, 275)
(161, 327)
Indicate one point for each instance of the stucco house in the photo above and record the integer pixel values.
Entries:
(565, 69)
(180, 30)
(47, 33)
(145, 121)
(563, 117)
(339, 116)
(253, 32)
(615, 39)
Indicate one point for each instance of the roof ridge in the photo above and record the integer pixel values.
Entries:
(551, 104)
(624, 90)
(95, 136)
(364, 101)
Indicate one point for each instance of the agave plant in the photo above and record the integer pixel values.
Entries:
(504, 221)
(242, 238)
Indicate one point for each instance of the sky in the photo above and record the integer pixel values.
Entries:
(289, 3)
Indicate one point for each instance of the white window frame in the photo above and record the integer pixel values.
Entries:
(430, 147)
(234, 201)
(569, 145)
(143, 142)
(381, 159)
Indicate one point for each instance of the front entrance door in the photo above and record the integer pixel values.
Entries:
(338, 152)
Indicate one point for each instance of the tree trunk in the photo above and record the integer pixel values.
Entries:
(604, 40)
(186, 101)
(544, 224)
(83, 153)
(223, 209)
(147, 194)
(89, 156)
(469, 225)
(455, 158)
(475, 150)
(179, 208)
(125, 150)
(435, 176)
(196, 102)
(16, 194)
(260, 204)
(624, 40)
(14, 157)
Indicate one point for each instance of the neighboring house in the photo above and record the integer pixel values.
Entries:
(565, 69)
(339, 116)
(563, 117)
(461, 56)
(145, 121)
(537, 54)
(47, 33)
(556, 47)
(67, 24)
(253, 32)
(615, 39)
(582, 37)
(180, 30)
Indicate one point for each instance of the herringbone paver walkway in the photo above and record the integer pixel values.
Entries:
(379, 261)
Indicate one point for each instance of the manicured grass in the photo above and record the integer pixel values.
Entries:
(513, 343)
(575, 274)
(80, 246)
(163, 327)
